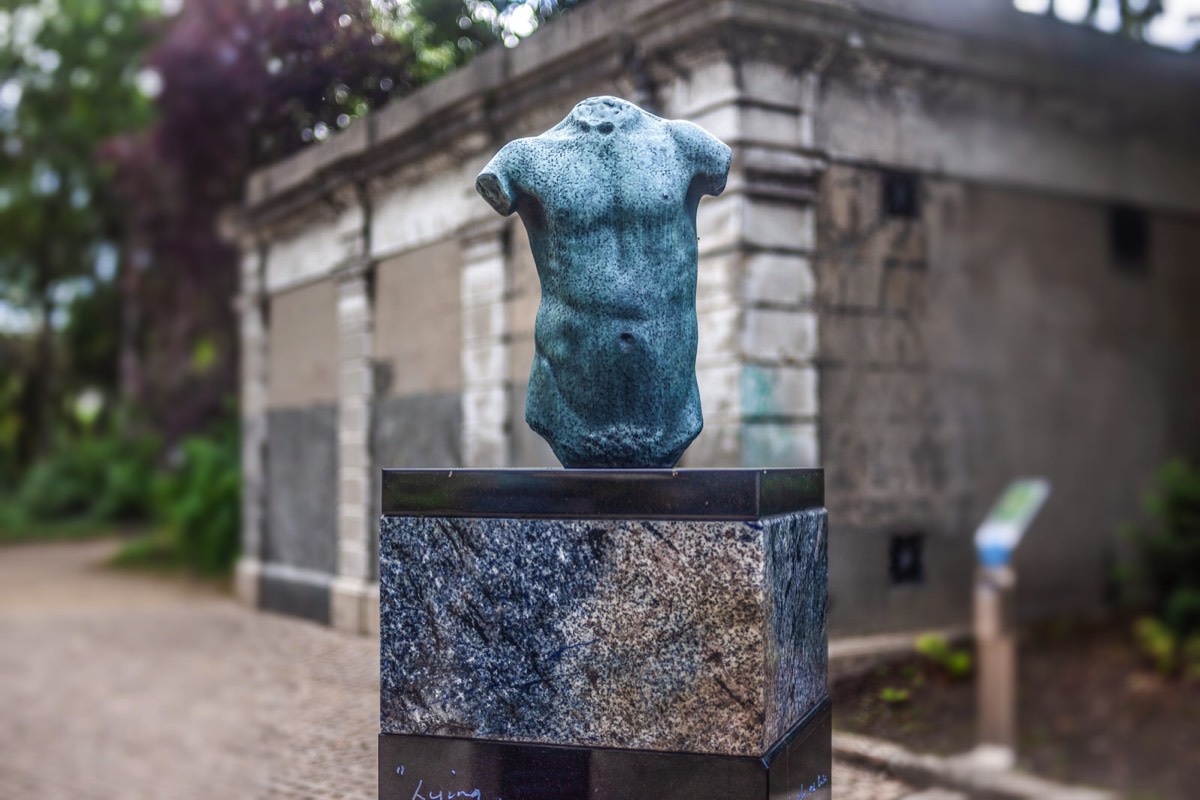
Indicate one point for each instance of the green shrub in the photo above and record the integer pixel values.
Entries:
(956, 664)
(199, 502)
(1158, 643)
(1170, 548)
(102, 477)
(893, 695)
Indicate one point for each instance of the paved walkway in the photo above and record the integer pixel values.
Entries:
(124, 687)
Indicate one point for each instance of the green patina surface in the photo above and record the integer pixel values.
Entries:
(609, 198)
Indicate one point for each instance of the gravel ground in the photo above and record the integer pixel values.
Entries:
(122, 686)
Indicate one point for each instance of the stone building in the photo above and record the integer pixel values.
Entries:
(958, 245)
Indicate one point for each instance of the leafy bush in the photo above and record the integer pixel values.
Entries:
(93, 479)
(1170, 652)
(199, 502)
(103, 478)
(956, 664)
(1169, 549)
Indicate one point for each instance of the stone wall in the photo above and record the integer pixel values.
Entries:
(993, 335)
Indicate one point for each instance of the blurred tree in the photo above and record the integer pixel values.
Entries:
(97, 265)
(68, 81)
(244, 83)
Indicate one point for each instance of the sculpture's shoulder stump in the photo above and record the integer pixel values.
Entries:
(679, 611)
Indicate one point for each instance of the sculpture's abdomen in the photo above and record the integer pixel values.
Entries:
(613, 392)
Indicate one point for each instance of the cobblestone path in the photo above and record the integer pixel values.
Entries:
(125, 687)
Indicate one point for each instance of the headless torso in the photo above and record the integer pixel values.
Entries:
(608, 197)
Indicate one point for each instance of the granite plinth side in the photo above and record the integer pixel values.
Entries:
(703, 636)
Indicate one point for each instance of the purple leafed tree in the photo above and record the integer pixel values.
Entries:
(243, 83)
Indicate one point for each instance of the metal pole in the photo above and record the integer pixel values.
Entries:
(997, 666)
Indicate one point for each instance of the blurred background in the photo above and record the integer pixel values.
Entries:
(242, 268)
(128, 128)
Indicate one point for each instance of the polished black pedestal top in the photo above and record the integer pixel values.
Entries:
(693, 494)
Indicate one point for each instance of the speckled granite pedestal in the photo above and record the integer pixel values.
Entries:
(603, 634)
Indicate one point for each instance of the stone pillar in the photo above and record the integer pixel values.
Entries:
(251, 308)
(755, 302)
(485, 343)
(778, 177)
(351, 589)
(356, 518)
(705, 92)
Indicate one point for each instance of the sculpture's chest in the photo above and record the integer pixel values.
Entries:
(609, 181)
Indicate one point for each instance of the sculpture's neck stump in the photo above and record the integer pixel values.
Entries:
(604, 115)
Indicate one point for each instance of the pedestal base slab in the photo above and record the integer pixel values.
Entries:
(429, 767)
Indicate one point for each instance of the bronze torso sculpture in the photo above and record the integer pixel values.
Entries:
(609, 199)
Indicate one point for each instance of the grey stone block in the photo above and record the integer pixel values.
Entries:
(700, 636)
(423, 430)
(302, 486)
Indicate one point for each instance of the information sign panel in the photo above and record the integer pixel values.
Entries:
(1001, 532)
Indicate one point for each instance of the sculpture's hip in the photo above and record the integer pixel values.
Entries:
(612, 392)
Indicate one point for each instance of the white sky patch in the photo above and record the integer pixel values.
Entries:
(521, 20)
(15, 320)
(149, 83)
(47, 60)
(89, 403)
(65, 292)
(45, 179)
(1071, 10)
(1178, 27)
(10, 94)
(106, 262)
(1108, 16)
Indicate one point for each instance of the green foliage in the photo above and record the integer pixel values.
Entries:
(97, 478)
(94, 479)
(893, 695)
(11, 419)
(1190, 651)
(1169, 548)
(956, 664)
(1158, 643)
(197, 507)
(1169, 575)
(199, 503)
(69, 80)
(1169, 652)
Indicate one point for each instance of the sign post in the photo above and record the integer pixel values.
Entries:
(995, 633)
